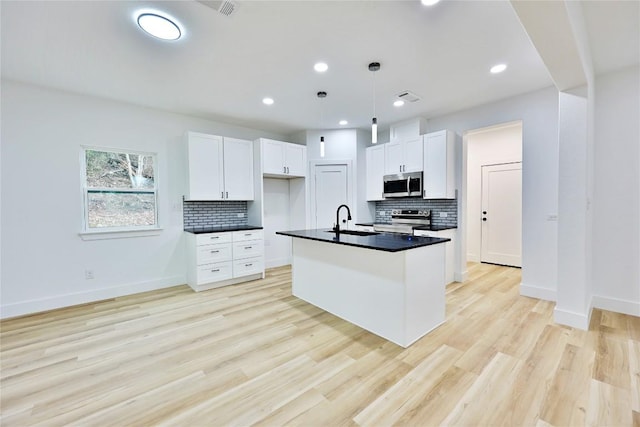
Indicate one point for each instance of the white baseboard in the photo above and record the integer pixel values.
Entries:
(68, 300)
(278, 262)
(538, 292)
(573, 319)
(473, 258)
(460, 276)
(617, 305)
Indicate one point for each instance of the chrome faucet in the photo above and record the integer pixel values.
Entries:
(337, 227)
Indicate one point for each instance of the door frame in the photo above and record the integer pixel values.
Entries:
(312, 186)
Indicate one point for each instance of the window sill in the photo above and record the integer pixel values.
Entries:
(120, 234)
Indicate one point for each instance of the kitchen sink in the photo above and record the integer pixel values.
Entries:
(354, 232)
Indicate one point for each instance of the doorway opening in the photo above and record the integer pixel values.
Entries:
(494, 194)
(330, 188)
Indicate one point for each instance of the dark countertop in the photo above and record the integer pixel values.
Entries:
(388, 242)
(202, 230)
(417, 227)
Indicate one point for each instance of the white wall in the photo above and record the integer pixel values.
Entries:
(538, 112)
(489, 146)
(43, 257)
(616, 199)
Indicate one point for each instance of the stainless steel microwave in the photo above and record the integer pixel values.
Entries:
(403, 185)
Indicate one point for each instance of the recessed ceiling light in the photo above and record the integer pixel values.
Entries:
(498, 68)
(159, 26)
(343, 122)
(398, 103)
(267, 101)
(321, 67)
(429, 2)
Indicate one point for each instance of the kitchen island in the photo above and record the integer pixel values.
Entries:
(392, 285)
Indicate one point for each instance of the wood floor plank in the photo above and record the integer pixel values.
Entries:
(608, 405)
(254, 354)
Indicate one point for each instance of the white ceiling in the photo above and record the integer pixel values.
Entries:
(224, 65)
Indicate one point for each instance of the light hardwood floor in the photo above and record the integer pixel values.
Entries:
(253, 354)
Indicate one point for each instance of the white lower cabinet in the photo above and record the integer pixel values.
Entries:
(225, 258)
(449, 249)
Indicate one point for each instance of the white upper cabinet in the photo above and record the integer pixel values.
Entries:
(375, 172)
(283, 159)
(404, 155)
(205, 174)
(439, 165)
(219, 168)
(238, 169)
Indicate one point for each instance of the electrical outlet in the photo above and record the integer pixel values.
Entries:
(381, 213)
(241, 215)
(443, 214)
(88, 274)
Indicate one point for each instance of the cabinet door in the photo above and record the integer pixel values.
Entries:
(393, 157)
(238, 169)
(413, 155)
(272, 157)
(295, 159)
(375, 172)
(205, 167)
(439, 166)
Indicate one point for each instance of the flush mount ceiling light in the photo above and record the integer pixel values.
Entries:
(321, 67)
(343, 122)
(498, 68)
(429, 2)
(398, 103)
(159, 26)
(267, 101)
(373, 67)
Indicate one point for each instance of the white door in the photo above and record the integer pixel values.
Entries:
(238, 169)
(501, 214)
(331, 186)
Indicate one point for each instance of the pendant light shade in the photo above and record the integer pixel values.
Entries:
(373, 67)
(374, 131)
(321, 95)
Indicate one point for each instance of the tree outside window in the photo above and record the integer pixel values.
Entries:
(120, 190)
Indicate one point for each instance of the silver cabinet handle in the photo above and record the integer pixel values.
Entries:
(215, 271)
(247, 234)
(214, 252)
(400, 168)
(248, 265)
(222, 194)
(248, 247)
(284, 169)
(214, 237)
(227, 193)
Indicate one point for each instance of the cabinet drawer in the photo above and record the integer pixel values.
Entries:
(240, 236)
(214, 272)
(248, 266)
(247, 249)
(212, 238)
(207, 254)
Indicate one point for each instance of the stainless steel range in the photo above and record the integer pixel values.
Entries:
(403, 221)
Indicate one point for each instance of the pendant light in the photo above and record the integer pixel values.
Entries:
(321, 96)
(373, 67)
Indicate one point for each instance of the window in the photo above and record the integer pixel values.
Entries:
(120, 191)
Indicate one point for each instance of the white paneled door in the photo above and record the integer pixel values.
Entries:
(501, 214)
(331, 191)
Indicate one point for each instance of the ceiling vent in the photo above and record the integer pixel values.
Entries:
(224, 7)
(408, 96)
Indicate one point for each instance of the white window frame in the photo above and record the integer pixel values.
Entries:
(88, 233)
